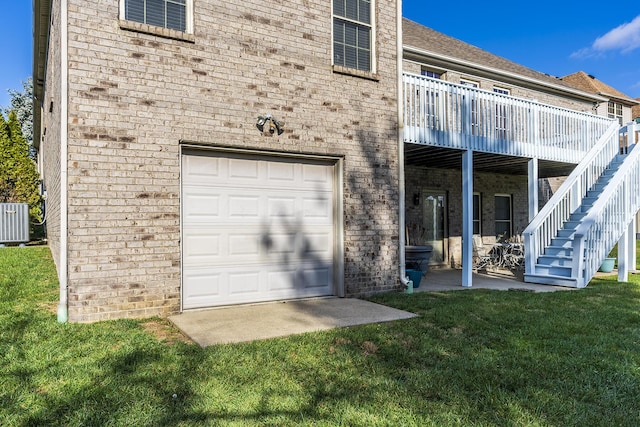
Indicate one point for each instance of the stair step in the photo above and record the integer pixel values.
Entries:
(553, 270)
(555, 260)
(556, 250)
(571, 225)
(562, 242)
(551, 280)
(564, 232)
(577, 216)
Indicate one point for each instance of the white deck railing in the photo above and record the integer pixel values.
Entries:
(568, 197)
(611, 214)
(449, 115)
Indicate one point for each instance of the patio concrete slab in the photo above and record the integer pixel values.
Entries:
(445, 279)
(277, 319)
(244, 323)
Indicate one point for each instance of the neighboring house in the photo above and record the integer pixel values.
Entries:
(618, 106)
(162, 193)
(201, 155)
(635, 112)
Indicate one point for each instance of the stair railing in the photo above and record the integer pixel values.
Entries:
(568, 197)
(610, 215)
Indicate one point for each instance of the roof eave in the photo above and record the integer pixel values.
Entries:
(41, 20)
(485, 71)
(624, 100)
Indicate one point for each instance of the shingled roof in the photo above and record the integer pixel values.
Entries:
(589, 83)
(428, 40)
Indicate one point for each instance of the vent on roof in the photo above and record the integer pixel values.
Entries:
(592, 76)
(14, 223)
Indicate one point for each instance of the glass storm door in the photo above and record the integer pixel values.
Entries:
(434, 210)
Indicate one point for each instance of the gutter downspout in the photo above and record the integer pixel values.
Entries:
(401, 182)
(63, 306)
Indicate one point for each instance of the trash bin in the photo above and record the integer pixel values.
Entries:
(415, 276)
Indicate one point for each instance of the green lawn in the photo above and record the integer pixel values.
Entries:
(473, 357)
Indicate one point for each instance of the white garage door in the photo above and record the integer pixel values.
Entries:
(255, 229)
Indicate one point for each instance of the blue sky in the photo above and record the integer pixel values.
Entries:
(16, 46)
(554, 37)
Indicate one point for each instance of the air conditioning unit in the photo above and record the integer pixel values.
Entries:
(14, 223)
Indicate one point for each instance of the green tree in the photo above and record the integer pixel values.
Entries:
(19, 179)
(22, 104)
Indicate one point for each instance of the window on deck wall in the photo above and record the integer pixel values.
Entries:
(430, 73)
(428, 100)
(502, 114)
(170, 14)
(503, 218)
(477, 209)
(353, 34)
(475, 113)
(614, 111)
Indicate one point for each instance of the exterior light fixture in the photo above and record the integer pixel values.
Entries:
(269, 124)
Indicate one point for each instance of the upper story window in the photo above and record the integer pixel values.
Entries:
(469, 83)
(170, 14)
(430, 73)
(614, 111)
(501, 90)
(353, 34)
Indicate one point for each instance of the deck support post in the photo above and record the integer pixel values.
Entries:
(467, 218)
(626, 248)
(533, 188)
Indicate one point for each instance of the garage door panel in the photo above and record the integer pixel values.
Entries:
(198, 169)
(281, 207)
(202, 207)
(243, 169)
(244, 207)
(202, 289)
(244, 245)
(317, 174)
(281, 172)
(256, 229)
(245, 283)
(318, 244)
(317, 277)
(201, 248)
(317, 208)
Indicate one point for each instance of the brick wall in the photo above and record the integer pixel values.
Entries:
(135, 96)
(49, 153)
(419, 179)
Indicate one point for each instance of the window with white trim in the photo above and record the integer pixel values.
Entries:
(502, 114)
(477, 214)
(475, 114)
(170, 14)
(614, 110)
(469, 83)
(430, 73)
(353, 34)
(503, 220)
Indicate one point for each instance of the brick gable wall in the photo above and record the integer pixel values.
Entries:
(133, 97)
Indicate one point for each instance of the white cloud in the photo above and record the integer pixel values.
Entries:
(623, 38)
